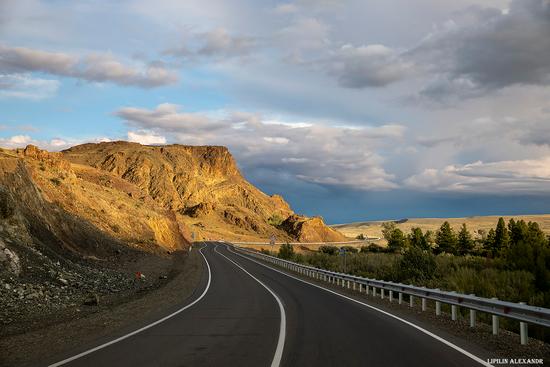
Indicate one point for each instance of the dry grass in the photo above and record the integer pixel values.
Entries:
(374, 229)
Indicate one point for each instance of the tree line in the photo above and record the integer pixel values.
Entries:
(515, 245)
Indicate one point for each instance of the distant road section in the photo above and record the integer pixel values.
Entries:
(254, 315)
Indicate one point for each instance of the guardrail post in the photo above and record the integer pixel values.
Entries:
(360, 287)
(472, 315)
(495, 322)
(437, 306)
(348, 284)
(381, 293)
(472, 318)
(353, 285)
(391, 296)
(423, 304)
(374, 291)
(453, 311)
(523, 336)
(367, 289)
(411, 301)
(400, 298)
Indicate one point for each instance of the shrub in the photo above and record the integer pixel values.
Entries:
(275, 220)
(417, 265)
(372, 247)
(350, 249)
(56, 181)
(329, 250)
(286, 251)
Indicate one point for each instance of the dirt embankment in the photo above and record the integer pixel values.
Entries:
(63, 258)
(169, 281)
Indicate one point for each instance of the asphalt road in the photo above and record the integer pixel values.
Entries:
(237, 321)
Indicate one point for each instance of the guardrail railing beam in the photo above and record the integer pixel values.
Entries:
(521, 312)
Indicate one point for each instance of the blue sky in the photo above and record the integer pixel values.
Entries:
(350, 109)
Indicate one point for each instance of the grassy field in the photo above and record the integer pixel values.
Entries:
(374, 229)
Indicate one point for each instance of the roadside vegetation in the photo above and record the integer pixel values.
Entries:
(510, 262)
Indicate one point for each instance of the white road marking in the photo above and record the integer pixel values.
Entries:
(282, 329)
(429, 333)
(65, 361)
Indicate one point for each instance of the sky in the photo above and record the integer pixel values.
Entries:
(351, 109)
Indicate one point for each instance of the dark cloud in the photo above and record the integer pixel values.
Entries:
(368, 66)
(485, 49)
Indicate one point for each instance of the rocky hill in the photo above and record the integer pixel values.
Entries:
(68, 233)
(75, 226)
(203, 185)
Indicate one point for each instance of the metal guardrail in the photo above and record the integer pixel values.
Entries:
(518, 311)
(354, 242)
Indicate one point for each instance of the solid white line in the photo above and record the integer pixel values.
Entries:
(438, 338)
(282, 328)
(65, 361)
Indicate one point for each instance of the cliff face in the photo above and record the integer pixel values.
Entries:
(311, 230)
(80, 209)
(152, 197)
(202, 184)
(70, 232)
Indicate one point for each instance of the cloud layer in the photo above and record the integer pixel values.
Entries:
(340, 96)
(92, 67)
(336, 156)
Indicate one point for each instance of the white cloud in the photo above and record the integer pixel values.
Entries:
(92, 67)
(55, 144)
(27, 87)
(276, 140)
(500, 177)
(319, 154)
(217, 44)
(286, 8)
(146, 137)
(17, 140)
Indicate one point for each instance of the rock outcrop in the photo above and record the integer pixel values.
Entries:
(310, 229)
(79, 209)
(201, 183)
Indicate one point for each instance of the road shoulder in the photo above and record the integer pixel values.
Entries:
(106, 322)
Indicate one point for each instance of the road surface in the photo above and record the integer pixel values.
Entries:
(248, 314)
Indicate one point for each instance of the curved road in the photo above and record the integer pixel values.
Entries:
(247, 314)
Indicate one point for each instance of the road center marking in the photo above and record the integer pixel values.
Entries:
(282, 329)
